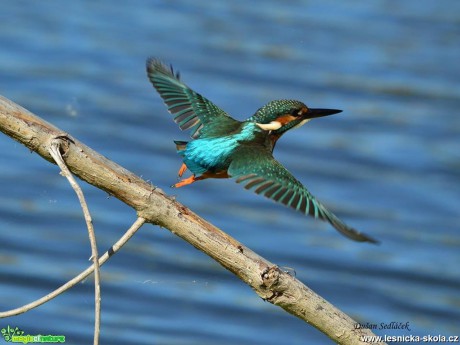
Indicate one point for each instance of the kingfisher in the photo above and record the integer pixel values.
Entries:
(223, 147)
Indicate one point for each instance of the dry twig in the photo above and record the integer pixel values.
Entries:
(54, 149)
(82, 276)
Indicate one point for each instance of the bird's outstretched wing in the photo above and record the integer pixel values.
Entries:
(266, 176)
(190, 109)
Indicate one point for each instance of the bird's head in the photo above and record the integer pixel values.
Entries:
(282, 115)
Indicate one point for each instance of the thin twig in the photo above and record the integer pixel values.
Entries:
(83, 275)
(54, 150)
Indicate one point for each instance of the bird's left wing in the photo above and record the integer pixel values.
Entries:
(256, 168)
(190, 109)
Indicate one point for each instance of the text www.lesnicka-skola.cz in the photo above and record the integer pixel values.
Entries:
(411, 338)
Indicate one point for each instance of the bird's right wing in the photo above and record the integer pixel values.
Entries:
(190, 109)
(256, 168)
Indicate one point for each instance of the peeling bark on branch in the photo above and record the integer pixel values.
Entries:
(151, 203)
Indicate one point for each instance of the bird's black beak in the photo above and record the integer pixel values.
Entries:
(313, 113)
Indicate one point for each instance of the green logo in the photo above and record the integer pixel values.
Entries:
(16, 335)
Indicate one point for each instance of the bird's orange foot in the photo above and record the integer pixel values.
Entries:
(182, 170)
(185, 182)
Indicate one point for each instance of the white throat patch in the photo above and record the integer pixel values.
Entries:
(301, 123)
(272, 126)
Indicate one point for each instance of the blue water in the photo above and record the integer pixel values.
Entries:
(388, 165)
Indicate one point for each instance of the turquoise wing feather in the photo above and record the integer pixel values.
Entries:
(266, 176)
(190, 109)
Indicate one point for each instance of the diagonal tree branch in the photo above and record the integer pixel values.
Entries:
(156, 207)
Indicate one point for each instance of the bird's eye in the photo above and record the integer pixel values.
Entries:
(299, 112)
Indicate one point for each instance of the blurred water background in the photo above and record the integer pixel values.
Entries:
(388, 165)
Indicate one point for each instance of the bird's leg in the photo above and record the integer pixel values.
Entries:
(187, 181)
(182, 169)
(193, 178)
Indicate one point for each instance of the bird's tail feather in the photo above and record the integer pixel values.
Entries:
(180, 145)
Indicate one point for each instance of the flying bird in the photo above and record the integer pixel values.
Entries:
(222, 147)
